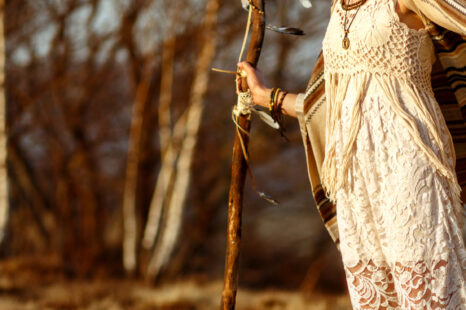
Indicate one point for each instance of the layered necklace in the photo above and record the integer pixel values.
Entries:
(346, 42)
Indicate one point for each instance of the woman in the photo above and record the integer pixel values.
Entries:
(389, 159)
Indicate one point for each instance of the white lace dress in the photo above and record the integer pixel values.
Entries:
(389, 165)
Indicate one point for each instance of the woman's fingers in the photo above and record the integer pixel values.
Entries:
(247, 68)
(244, 65)
(253, 78)
(255, 82)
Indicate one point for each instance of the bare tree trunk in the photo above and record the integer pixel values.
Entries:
(165, 182)
(183, 169)
(129, 196)
(3, 134)
(168, 154)
(79, 173)
(45, 220)
(166, 87)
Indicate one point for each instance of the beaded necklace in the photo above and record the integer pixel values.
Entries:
(346, 42)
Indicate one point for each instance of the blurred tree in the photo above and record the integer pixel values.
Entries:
(168, 139)
(186, 150)
(142, 76)
(111, 110)
(4, 205)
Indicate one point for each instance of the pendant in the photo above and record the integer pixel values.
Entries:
(345, 42)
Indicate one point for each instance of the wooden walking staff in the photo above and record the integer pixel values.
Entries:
(239, 165)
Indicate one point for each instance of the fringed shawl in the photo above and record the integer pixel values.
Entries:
(446, 23)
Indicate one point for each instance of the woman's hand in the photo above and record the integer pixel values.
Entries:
(260, 93)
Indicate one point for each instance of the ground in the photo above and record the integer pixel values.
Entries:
(29, 285)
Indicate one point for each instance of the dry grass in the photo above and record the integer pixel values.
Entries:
(25, 284)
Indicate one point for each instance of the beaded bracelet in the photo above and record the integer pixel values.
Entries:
(275, 113)
(277, 97)
(273, 99)
(272, 94)
(279, 115)
(280, 103)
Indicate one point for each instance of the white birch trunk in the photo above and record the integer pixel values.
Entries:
(130, 232)
(164, 180)
(168, 153)
(174, 216)
(4, 205)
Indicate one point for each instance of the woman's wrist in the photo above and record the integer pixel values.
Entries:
(263, 97)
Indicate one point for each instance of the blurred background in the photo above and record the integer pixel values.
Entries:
(119, 159)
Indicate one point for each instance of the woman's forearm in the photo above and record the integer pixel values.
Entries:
(288, 106)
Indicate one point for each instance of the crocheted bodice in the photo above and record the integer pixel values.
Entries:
(385, 58)
(379, 43)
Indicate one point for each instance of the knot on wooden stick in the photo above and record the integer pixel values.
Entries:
(245, 104)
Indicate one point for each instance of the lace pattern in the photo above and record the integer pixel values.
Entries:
(389, 165)
(407, 286)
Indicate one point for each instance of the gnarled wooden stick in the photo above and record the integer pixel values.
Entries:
(239, 168)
